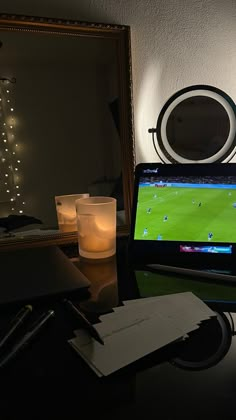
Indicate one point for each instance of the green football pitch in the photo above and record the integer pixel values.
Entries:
(186, 219)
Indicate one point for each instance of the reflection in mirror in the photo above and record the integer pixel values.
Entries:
(71, 129)
(206, 346)
(197, 124)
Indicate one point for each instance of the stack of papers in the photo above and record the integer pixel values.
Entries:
(138, 328)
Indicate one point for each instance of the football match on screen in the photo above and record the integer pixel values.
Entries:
(196, 209)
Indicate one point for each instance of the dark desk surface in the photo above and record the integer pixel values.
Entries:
(196, 380)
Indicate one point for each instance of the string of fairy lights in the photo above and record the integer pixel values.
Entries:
(10, 179)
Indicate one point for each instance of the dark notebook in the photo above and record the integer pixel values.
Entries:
(39, 272)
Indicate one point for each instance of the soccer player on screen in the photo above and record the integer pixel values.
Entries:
(210, 236)
(145, 232)
(165, 218)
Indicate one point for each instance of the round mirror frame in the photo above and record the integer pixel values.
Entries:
(163, 147)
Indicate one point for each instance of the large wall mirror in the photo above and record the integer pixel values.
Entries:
(66, 123)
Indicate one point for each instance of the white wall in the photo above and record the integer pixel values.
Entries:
(175, 43)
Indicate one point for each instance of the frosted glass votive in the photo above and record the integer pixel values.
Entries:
(96, 222)
(66, 211)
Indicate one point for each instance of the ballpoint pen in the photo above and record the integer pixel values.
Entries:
(24, 341)
(15, 323)
(85, 322)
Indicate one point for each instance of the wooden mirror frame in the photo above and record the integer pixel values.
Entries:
(121, 35)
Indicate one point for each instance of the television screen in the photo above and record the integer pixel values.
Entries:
(195, 209)
(185, 208)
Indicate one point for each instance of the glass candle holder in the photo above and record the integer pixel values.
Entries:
(96, 222)
(66, 211)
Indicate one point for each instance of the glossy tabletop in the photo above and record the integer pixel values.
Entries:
(193, 379)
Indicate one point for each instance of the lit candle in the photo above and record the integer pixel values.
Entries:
(96, 227)
(66, 211)
(66, 221)
(98, 239)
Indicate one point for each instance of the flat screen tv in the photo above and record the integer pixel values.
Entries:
(184, 215)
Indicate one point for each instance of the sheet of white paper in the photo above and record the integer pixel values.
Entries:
(134, 302)
(117, 324)
(84, 358)
(184, 308)
(127, 345)
(167, 298)
(140, 328)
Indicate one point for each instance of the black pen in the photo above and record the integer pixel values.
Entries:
(89, 327)
(24, 341)
(15, 323)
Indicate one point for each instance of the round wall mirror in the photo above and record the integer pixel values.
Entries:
(197, 124)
